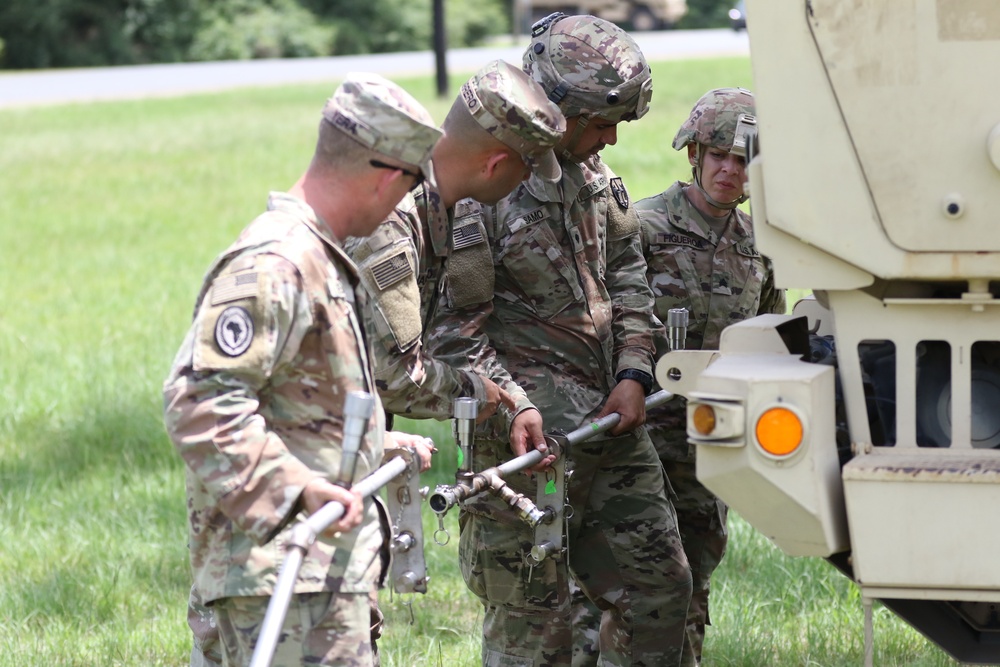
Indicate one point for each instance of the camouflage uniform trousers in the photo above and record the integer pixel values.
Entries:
(206, 650)
(624, 551)
(702, 520)
(701, 517)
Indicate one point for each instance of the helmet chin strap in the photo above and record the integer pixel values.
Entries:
(567, 150)
(696, 173)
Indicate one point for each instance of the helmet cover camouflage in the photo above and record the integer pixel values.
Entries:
(512, 107)
(589, 67)
(380, 115)
(718, 120)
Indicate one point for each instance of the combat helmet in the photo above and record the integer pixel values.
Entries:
(723, 118)
(590, 68)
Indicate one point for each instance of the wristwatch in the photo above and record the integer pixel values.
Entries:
(642, 377)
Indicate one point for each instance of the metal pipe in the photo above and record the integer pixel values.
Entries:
(608, 422)
(677, 324)
(302, 537)
(445, 497)
(466, 410)
(358, 407)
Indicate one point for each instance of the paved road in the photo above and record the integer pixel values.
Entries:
(28, 88)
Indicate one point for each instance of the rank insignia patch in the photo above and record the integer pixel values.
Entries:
(620, 193)
(234, 331)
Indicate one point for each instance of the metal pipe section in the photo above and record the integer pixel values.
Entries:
(358, 407)
(302, 537)
(445, 497)
(677, 325)
(466, 410)
(608, 422)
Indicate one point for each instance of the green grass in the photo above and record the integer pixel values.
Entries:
(111, 212)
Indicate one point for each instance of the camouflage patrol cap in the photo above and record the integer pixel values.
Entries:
(512, 107)
(381, 116)
(721, 118)
(589, 67)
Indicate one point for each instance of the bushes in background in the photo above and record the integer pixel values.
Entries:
(81, 33)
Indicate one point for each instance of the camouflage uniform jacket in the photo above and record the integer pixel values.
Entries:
(570, 305)
(401, 266)
(720, 280)
(254, 405)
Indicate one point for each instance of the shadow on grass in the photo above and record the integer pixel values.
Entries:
(124, 437)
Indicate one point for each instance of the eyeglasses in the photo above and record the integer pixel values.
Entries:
(418, 177)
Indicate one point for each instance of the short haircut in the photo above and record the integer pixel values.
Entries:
(336, 150)
(461, 125)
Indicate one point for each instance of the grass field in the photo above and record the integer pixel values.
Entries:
(111, 212)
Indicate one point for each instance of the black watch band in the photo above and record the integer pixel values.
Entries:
(642, 377)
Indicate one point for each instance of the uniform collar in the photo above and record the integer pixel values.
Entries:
(693, 221)
(286, 203)
(436, 219)
(575, 177)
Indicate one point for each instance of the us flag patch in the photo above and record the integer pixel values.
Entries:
(466, 236)
(233, 287)
(391, 270)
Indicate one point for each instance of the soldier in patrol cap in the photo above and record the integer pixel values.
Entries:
(501, 128)
(701, 256)
(254, 401)
(567, 317)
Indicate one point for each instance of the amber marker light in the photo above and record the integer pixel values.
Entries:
(779, 431)
(703, 419)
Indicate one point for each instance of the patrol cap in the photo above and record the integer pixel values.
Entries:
(512, 107)
(381, 116)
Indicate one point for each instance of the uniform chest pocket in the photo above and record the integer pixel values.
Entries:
(542, 268)
(675, 278)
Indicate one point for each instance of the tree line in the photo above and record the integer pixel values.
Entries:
(84, 33)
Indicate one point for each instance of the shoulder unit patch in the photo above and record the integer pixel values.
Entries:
(234, 331)
(619, 192)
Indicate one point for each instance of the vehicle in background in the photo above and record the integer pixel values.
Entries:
(630, 14)
(738, 16)
(865, 427)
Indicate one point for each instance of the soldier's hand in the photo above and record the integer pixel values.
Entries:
(423, 446)
(628, 399)
(526, 435)
(319, 492)
(495, 397)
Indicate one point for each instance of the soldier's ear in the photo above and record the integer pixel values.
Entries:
(692, 154)
(386, 180)
(494, 161)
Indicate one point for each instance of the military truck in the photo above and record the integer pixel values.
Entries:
(864, 427)
(631, 14)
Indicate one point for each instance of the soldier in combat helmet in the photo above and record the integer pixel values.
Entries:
(700, 253)
(566, 315)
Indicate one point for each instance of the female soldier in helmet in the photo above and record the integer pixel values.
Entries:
(700, 254)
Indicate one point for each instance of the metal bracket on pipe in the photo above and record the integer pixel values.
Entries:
(408, 570)
(551, 500)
